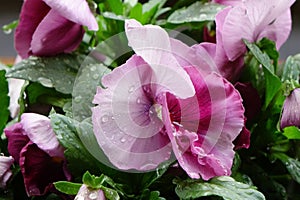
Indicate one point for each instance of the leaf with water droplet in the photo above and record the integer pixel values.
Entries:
(223, 186)
(85, 88)
(8, 28)
(197, 12)
(79, 159)
(67, 187)
(58, 72)
(4, 100)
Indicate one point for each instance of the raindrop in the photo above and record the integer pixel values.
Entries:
(148, 166)
(138, 100)
(95, 76)
(104, 119)
(7, 31)
(93, 195)
(123, 140)
(45, 82)
(131, 89)
(77, 99)
(79, 198)
(93, 68)
(203, 16)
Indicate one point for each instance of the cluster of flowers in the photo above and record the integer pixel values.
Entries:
(168, 98)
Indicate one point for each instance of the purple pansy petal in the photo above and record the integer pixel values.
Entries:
(39, 170)
(32, 13)
(279, 31)
(16, 140)
(77, 11)
(55, 34)
(38, 129)
(228, 2)
(291, 110)
(203, 147)
(125, 122)
(227, 68)
(252, 18)
(87, 193)
(152, 43)
(251, 99)
(242, 140)
(5, 172)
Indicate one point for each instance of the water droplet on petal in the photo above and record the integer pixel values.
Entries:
(131, 89)
(93, 195)
(138, 100)
(123, 140)
(79, 197)
(104, 119)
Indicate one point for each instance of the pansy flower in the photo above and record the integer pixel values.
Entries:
(167, 98)
(33, 145)
(291, 110)
(251, 20)
(50, 27)
(5, 172)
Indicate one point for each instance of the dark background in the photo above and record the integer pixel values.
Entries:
(9, 11)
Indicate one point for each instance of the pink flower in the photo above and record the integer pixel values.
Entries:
(167, 98)
(291, 110)
(251, 20)
(33, 145)
(5, 172)
(50, 27)
(87, 193)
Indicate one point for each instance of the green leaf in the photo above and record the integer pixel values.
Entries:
(58, 72)
(110, 194)
(291, 164)
(111, 15)
(197, 12)
(151, 195)
(291, 70)
(269, 47)
(37, 93)
(116, 6)
(93, 181)
(291, 73)
(4, 101)
(136, 12)
(89, 141)
(272, 82)
(79, 159)
(225, 187)
(88, 78)
(67, 187)
(8, 28)
(96, 183)
(292, 133)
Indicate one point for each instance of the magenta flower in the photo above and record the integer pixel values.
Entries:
(291, 110)
(5, 172)
(33, 145)
(87, 193)
(50, 27)
(167, 99)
